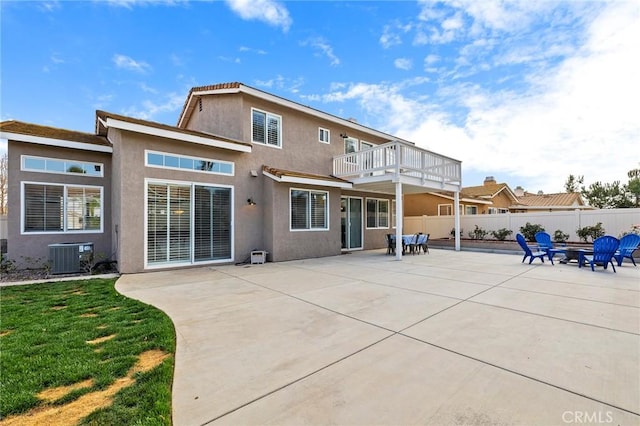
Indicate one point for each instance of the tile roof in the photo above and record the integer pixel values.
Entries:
(219, 86)
(280, 173)
(550, 200)
(486, 190)
(104, 115)
(28, 129)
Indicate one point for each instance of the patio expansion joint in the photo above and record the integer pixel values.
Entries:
(517, 373)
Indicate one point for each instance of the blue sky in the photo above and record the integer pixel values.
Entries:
(527, 92)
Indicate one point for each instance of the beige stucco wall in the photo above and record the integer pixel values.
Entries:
(31, 250)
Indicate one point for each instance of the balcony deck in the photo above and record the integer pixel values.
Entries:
(380, 167)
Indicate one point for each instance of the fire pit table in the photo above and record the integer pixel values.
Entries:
(570, 253)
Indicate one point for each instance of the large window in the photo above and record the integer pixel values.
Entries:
(266, 128)
(57, 165)
(188, 223)
(61, 208)
(183, 162)
(377, 213)
(309, 210)
(470, 209)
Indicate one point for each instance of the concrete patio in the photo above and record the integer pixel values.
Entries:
(360, 339)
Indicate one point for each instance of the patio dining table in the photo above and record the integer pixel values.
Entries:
(408, 239)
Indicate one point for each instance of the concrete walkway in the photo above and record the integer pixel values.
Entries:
(362, 339)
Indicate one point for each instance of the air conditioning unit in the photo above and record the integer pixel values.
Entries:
(69, 258)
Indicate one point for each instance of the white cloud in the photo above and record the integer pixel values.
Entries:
(127, 63)
(579, 116)
(389, 37)
(323, 47)
(403, 63)
(173, 102)
(271, 12)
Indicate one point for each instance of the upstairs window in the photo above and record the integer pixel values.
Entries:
(323, 135)
(266, 128)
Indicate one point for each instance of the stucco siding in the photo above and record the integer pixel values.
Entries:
(31, 249)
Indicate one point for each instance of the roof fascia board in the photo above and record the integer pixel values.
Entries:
(293, 105)
(163, 133)
(55, 142)
(308, 181)
(468, 200)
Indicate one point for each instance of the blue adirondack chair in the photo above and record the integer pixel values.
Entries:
(527, 251)
(627, 246)
(544, 241)
(604, 248)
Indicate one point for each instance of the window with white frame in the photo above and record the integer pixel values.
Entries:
(494, 210)
(61, 208)
(377, 213)
(323, 135)
(445, 209)
(266, 128)
(470, 209)
(309, 209)
(183, 162)
(31, 163)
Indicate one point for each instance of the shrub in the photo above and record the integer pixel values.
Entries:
(501, 234)
(592, 232)
(635, 229)
(478, 233)
(453, 232)
(529, 231)
(560, 237)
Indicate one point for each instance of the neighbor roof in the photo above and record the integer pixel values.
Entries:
(35, 130)
(488, 190)
(563, 199)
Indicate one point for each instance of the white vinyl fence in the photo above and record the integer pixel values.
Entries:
(614, 222)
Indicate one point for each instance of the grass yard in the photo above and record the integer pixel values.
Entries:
(78, 352)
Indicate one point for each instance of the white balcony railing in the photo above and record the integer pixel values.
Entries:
(398, 159)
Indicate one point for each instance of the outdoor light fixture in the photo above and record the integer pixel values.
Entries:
(343, 135)
(251, 202)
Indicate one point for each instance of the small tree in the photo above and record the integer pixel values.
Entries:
(501, 234)
(560, 237)
(593, 232)
(478, 233)
(529, 231)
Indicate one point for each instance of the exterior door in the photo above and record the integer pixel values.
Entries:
(351, 218)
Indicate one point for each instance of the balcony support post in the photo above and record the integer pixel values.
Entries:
(456, 220)
(399, 220)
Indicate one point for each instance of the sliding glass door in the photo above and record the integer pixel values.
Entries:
(188, 223)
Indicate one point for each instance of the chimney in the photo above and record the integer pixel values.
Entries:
(519, 191)
(489, 180)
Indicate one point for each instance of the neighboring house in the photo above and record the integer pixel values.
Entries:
(243, 170)
(488, 198)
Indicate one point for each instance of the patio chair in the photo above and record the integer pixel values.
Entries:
(424, 242)
(527, 251)
(544, 241)
(413, 244)
(628, 244)
(604, 248)
(391, 244)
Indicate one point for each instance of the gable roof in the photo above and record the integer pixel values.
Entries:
(563, 199)
(488, 191)
(236, 87)
(46, 135)
(107, 119)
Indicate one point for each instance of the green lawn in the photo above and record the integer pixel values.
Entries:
(47, 341)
